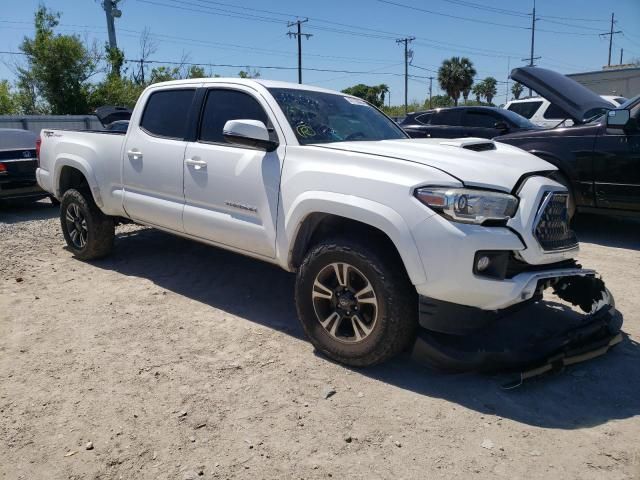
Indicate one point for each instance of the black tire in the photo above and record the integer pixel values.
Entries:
(395, 324)
(98, 229)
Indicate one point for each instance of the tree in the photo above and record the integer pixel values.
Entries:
(439, 101)
(478, 91)
(56, 76)
(516, 89)
(248, 73)
(469, 73)
(456, 76)
(374, 94)
(196, 71)
(115, 90)
(9, 104)
(490, 89)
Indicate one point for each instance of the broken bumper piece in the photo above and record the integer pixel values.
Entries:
(546, 335)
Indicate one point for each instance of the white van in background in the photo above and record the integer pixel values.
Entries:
(541, 112)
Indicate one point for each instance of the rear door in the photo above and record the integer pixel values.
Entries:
(153, 155)
(231, 192)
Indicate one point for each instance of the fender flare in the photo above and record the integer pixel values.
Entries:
(80, 164)
(359, 209)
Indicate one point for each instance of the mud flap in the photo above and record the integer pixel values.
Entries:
(543, 337)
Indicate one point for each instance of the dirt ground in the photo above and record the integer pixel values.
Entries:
(177, 361)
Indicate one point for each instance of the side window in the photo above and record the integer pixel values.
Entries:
(223, 105)
(166, 112)
(554, 112)
(526, 109)
(446, 117)
(479, 119)
(424, 119)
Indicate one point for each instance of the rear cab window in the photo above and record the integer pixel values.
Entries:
(526, 109)
(166, 113)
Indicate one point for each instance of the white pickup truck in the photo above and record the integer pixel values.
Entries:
(386, 233)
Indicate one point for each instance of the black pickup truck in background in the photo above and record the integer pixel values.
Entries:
(599, 156)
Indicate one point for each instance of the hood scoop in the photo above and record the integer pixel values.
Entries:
(475, 144)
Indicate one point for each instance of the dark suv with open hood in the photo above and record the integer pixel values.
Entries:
(599, 156)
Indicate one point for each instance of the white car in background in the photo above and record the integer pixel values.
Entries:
(541, 112)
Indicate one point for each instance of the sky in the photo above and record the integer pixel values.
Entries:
(354, 39)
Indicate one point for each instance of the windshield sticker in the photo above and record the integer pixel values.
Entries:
(305, 131)
(355, 101)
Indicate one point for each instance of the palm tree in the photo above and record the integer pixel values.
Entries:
(478, 91)
(468, 73)
(490, 89)
(450, 78)
(516, 89)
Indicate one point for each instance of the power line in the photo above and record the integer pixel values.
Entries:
(266, 67)
(424, 10)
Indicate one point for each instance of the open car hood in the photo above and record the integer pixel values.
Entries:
(576, 100)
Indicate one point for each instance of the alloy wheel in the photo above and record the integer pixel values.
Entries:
(345, 302)
(76, 226)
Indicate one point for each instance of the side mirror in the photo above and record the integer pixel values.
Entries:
(502, 126)
(248, 133)
(618, 118)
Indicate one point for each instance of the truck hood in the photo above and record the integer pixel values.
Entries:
(498, 167)
(576, 100)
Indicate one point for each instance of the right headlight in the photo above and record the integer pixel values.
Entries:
(468, 205)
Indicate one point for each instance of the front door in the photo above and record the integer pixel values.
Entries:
(617, 168)
(153, 156)
(231, 192)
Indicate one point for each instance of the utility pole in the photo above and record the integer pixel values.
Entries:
(430, 90)
(611, 33)
(406, 41)
(506, 95)
(112, 12)
(621, 50)
(532, 58)
(299, 36)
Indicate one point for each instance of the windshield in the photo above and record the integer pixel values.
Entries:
(318, 117)
(519, 120)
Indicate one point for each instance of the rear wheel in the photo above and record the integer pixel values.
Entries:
(357, 306)
(89, 233)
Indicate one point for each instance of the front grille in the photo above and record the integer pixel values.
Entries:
(552, 223)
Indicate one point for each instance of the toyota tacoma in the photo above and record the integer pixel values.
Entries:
(388, 236)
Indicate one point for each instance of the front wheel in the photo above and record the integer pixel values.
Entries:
(89, 233)
(357, 306)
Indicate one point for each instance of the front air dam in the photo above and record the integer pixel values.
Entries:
(546, 335)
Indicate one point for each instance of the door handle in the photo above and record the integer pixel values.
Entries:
(196, 164)
(134, 154)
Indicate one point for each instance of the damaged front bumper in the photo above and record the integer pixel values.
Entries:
(545, 335)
